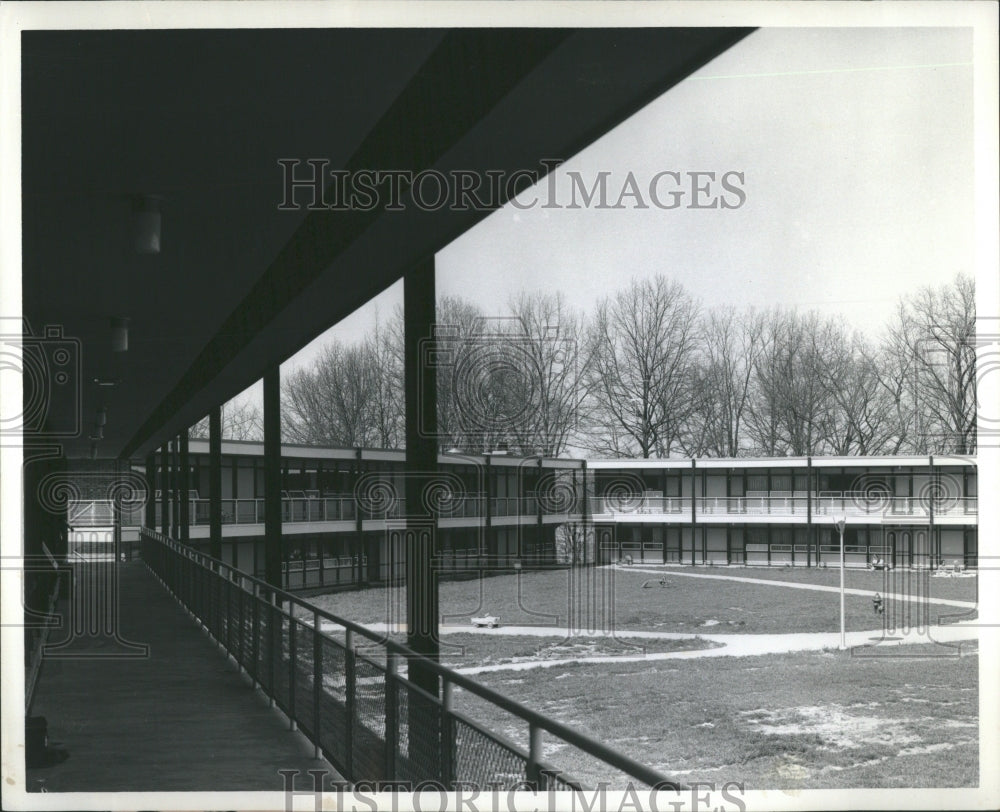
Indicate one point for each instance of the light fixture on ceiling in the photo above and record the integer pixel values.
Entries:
(146, 223)
(119, 334)
(109, 382)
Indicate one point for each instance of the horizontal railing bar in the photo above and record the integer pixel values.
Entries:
(579, 740)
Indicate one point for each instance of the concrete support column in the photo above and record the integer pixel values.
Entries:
(175, 503)
(164, 489)
(491, 536)
(272, 477)
(215, 482)
(810, 535)
(694, 502)
(421, 465)
(150, 513)
(184, 486)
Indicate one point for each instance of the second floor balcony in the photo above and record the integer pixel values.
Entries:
(313, 508)
(797, 507)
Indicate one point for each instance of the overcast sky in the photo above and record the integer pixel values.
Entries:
(857, 153)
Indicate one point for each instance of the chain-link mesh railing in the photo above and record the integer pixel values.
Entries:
(482, 756)
(347, 689)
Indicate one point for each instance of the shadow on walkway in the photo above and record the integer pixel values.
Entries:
(179, 718)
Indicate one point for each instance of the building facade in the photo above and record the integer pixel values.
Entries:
(343, 511)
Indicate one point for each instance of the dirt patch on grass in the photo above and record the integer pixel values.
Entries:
(468, 650)
(835, 726)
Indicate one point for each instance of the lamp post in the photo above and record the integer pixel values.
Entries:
(840, 523)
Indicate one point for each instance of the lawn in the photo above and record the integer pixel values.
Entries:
(797, 721)
(959, 589)
(808, 720)
(593, 599)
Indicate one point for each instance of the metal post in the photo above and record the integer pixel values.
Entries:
(184, 482)
(447, 737)
(810, 534)
(255, 625)
(353, 545)
(694, 501)
(150, 519)
(317, 685)
(274, 627)
(349, 696)
(932, 480)
(391, 713)
(175, 476)
(215, 482)
(534, 770)
(539, 535)
(492, 553)
(272, 477)
(841, 522)
(292, 657)
(164, 490)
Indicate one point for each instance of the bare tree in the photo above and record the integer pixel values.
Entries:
(642, 346)
(545, 340)
(859, 416)
(574, 543)
(933, 341)
(731, 344)
(892, 364)
(764, 409)
(793, 409)
(463, 412)
(240, 421)
(384, 349)
(331, 403)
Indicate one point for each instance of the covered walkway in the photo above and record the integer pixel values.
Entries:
(181, 718)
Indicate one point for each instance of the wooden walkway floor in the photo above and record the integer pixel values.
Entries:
(180, 719)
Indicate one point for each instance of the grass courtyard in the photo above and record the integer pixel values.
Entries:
(599, 598)
(793, 720)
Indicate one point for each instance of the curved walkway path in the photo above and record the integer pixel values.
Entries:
(790, 585)
(861, 643)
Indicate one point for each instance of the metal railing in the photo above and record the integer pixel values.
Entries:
(851, 504)
(90, 513)
(642, 505)
(338, 509)
(346, 688)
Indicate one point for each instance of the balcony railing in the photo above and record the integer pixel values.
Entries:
(345, 508)
(642, 505)
(348, 691)
(339, 509)
(823, 505)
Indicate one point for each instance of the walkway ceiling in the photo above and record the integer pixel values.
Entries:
(202, 118)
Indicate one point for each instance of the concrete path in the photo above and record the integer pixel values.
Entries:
(742, 645)
(726, 645)
(792, 585)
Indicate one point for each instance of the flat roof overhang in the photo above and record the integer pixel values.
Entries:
(202, 118)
